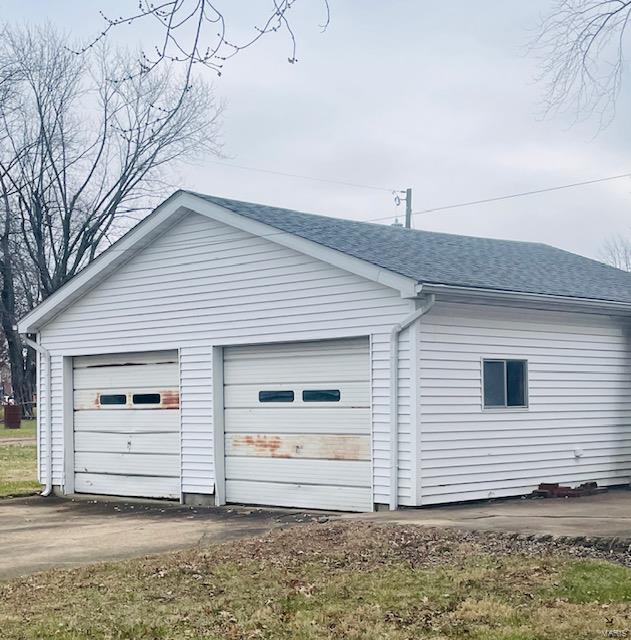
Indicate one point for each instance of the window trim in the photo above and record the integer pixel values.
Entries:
(506, 408)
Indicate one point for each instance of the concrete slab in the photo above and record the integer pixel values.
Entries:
(603, 515)
(40, 533)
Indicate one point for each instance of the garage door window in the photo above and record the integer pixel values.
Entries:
(146, 398)
(321, 395)
(112, 398)
(276, 396)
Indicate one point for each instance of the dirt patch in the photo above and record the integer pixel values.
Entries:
(17, 441)
(99, 507)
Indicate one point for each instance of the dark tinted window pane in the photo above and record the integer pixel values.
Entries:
(494, 391)
(146, 398)
(516, 383)
(276, 396)
(113, 398)
(321, 395)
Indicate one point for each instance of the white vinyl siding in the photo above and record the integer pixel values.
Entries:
(204, 284)
(196, 399)
(579, 397)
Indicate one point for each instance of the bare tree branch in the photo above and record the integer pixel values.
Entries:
(195, 32)
(79, 148)
(616, 251)
(582, 43)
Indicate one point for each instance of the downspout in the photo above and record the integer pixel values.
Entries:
(394, 396)
(48, 488)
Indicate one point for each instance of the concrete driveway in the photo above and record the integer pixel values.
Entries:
(40, 533)
(607, 515)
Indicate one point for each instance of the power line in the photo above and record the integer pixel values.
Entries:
(301, 177)
(508, 197)
(458, 205)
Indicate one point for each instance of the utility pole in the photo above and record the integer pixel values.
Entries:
(408, 208)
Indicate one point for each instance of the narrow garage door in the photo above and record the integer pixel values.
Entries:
(126, 424)
(297, 424)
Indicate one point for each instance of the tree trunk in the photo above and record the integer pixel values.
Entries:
(21, 362)
(21, 358)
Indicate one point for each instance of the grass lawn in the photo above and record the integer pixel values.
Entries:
(27, 430)
(18, 470)
(18, 461)
(336, 580)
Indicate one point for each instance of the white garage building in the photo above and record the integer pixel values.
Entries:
(232, 352)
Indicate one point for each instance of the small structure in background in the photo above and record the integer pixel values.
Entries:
(12, 415)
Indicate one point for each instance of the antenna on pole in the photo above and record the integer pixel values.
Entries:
(408, 206)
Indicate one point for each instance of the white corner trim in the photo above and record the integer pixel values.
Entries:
(168, 213)
(218, 426)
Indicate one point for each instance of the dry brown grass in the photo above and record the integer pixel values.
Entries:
(333, 581)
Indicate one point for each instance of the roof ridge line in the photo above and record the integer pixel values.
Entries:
(373, 224)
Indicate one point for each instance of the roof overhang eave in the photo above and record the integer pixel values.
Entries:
(595, 305)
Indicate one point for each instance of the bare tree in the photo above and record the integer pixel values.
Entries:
(82, 152)
(616, 251)
(196, 31)
(582, 44)
(21, 363)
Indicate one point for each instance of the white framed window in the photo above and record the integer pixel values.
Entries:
(504, 383)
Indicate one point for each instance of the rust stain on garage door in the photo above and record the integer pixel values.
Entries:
(170, 399)
(300, 446)
(260, 445)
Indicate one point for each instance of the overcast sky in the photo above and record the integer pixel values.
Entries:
(437, 96)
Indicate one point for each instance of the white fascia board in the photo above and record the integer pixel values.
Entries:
(168, 213)
(120, 252)
(406, 286)
(474, 294)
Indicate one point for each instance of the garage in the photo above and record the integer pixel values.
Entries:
(297, 424)
(126, 424)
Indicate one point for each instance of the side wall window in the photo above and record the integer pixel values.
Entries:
(505, 383)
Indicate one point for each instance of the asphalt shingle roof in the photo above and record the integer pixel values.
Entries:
(442, 258)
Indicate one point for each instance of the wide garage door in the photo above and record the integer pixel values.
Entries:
(297, 424)
(126, 424)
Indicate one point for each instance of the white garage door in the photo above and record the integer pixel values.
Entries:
(126, 424)
(297, 424)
